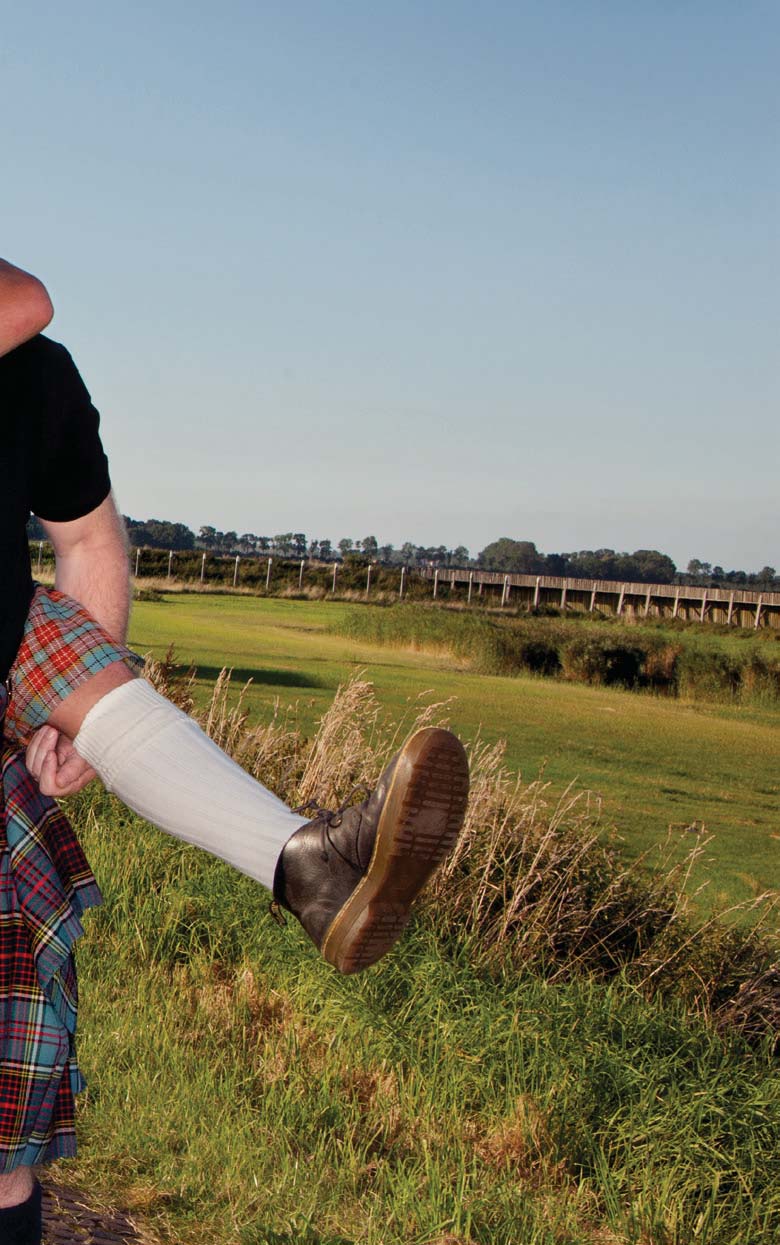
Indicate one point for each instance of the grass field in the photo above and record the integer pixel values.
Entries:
(241, 1093)
(701, 769)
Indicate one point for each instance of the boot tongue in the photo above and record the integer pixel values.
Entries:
(349, 838)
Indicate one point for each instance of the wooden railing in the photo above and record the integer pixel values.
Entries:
(732, 606)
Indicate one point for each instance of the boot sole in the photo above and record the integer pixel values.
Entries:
(418, 828)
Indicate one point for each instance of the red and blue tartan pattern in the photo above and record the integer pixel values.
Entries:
(45, 887)
(61, 648)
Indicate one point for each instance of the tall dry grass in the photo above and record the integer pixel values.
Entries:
(535, 880)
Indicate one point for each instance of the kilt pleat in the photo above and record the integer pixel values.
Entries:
(46, 885)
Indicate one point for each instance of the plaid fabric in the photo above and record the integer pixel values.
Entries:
(45, 887)
(61, 648)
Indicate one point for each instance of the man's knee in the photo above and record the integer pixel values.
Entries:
(15, 1186)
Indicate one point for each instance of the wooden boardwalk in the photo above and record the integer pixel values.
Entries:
(732, 606)
(68, 1219)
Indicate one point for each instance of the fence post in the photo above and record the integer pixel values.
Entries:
(300, 577)
(471, 585)
(268, 574)
(505, 591)
(401, 586)
(170, 562)
(731, 609)
(536, 592)
(368, 579)
(40, 553)
(759, 603)
(703, 606)
(563, 596)
(621, 598)
(202, 567)
(137, 560)
(335, 572)
(592, 600)
(647, 602)
(435, 582)
(676, 609)
(235, 570)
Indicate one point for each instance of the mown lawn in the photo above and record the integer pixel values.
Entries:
(700, 769)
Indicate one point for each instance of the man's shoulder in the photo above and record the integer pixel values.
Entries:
(39, 352)
(41, 370)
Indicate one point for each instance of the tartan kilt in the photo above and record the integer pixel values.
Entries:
(62, 647)
(46, 885)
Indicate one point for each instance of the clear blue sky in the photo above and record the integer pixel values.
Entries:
(422, 269)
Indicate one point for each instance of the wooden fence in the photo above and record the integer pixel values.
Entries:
(738, 607)
(732, 606)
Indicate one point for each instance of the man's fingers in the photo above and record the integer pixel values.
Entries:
(47, 779)
(74, 770)
(41, 745)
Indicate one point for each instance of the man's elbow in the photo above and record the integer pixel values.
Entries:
(37, 310)
(25, 307)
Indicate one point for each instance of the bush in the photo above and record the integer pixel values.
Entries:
(707, 674)
(603, 660)
(608, 654)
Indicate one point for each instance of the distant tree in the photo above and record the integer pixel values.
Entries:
(519, 556)
(459, 556)
(555, 564)
(654, 567)
(370, 546)
(699, 570)
(299, 544)
(207, 537)
(326, 550)
(34, 529)
(766, 576)
(282, 544)
(159, 534)
(408, 553)
(386, 553)
(598, 564)
(345, 546)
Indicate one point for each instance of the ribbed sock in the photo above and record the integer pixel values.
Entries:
(21, 1225)
(163, 766)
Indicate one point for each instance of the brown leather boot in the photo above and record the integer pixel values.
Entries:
(351, 876)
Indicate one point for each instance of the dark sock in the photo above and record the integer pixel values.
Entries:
(21, 1225)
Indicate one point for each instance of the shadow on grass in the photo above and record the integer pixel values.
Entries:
(259, 674)
(265, 1236)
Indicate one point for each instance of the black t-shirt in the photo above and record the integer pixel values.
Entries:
(51, 463)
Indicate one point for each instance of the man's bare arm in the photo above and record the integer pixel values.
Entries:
(91, 560)
(91, 565)
(25, 307)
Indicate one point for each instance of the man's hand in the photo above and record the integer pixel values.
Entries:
(56, 765)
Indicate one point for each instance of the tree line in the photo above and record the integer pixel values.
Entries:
(506, 554)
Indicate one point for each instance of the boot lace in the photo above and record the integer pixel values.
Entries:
(331, 821)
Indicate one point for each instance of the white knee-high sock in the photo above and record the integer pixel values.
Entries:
(163, 766)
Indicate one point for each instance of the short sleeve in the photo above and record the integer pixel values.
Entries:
(69, 476)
